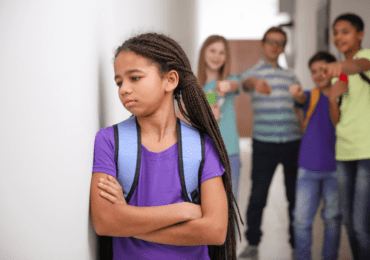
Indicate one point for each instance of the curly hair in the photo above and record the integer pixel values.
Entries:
(169, 55)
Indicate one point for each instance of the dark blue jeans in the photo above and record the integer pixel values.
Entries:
(354, 200)
(266, 156)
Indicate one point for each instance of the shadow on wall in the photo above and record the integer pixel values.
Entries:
(102, 97)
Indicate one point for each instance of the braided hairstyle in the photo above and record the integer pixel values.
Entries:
(169, 55)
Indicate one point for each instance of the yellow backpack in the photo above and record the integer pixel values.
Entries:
(314, 99)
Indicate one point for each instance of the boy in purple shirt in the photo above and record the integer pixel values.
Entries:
(317, 169)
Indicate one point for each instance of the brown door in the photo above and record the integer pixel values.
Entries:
(244, 55)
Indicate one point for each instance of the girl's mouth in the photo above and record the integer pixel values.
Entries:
(128, 102)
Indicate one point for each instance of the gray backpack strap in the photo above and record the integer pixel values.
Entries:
(128, 150)
(191, 160)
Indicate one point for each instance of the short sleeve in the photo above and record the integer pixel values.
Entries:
(364, 54)
(212, 163)
(104, 152)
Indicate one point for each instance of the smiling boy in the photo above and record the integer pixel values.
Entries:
(352, 129)
(317, 169)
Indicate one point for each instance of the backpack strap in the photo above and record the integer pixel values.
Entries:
(128, 149)
(314, 99)
(364, 77)
(191, 152)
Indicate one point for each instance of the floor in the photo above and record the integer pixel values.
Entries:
(274, 244)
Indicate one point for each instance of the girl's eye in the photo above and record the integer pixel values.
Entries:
(135, 78)
(119, 84)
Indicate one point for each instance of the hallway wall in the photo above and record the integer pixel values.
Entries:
(56, 74)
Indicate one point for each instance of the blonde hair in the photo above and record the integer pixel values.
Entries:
(224, 70)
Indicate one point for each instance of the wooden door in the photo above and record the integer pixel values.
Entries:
(244, 55)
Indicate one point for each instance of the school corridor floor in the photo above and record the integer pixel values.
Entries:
(274, 244)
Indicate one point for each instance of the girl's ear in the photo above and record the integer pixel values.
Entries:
(172, 78)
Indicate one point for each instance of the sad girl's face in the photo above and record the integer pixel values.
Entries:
(141, 88)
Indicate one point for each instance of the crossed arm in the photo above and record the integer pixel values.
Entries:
(176, 224)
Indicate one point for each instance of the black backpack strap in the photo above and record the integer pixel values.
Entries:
(191, 195)
(115, 128)
(364, 77)
(181, 163)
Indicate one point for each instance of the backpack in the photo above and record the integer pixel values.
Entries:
(314, 99)
(315, 96)
(191, 152)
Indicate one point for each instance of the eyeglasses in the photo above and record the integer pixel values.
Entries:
(278, 43)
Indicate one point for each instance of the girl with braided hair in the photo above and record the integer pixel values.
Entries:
(150, 71)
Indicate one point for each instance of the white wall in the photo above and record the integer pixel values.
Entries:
(129, 18)
(55, 74)
(305, 31)
(49, 118)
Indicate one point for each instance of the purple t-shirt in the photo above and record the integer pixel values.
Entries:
(317, 151)
(159, 184)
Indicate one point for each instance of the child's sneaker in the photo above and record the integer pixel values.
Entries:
(250, 252)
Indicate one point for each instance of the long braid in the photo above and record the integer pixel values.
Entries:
(169, 55)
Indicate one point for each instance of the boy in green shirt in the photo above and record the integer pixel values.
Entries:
(352, 120)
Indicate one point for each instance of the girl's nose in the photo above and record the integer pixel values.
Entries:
(124, 89)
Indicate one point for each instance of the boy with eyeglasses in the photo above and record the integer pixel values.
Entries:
(276, 134)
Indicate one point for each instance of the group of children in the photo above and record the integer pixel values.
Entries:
(334, 159)
(146, 205)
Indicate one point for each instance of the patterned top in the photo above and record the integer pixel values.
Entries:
(275, 119)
